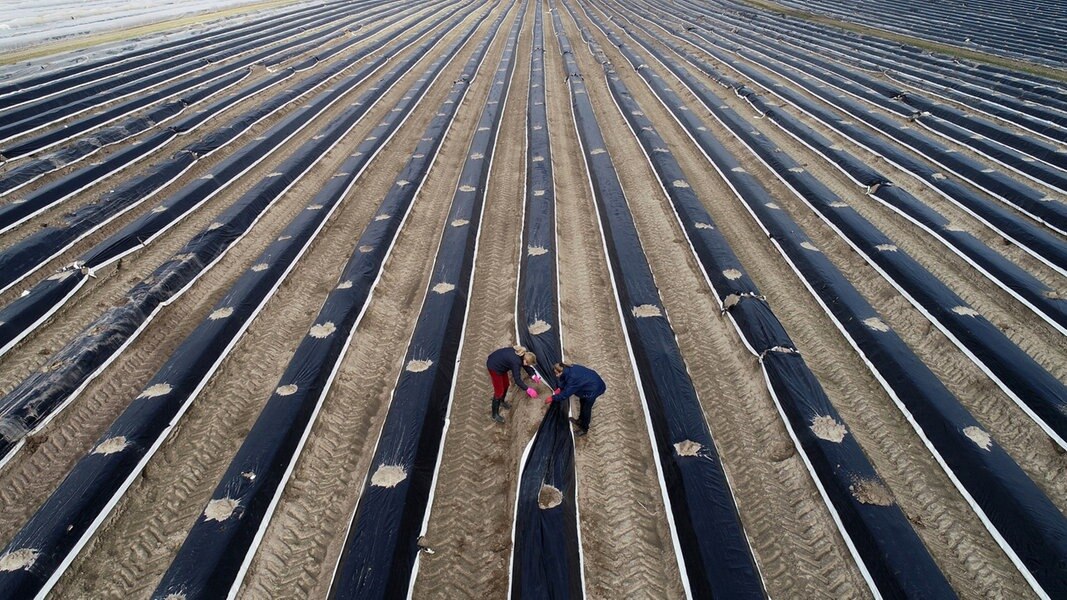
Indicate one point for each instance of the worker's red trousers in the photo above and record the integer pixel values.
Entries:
(500, 384)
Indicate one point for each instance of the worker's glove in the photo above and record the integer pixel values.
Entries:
(548, 399)
(531, 392)
(556, 391)
(536, 378)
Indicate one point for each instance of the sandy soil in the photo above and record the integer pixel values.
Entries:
(627, 544)
(471, 538)
(327, 481)
(1027, 444)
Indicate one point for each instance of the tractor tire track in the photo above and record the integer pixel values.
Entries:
(802, 556)
(470, 523)
(303, 541)
(626, 539)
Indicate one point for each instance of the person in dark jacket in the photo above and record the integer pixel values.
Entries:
(510, 360)
(576, 380)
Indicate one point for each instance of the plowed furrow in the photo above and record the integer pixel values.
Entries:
(325, 485)
(470, 521)
(625, 537)
(755, 447)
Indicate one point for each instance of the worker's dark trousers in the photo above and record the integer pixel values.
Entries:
(585, 411)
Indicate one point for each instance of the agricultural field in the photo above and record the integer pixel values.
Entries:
(253, 257)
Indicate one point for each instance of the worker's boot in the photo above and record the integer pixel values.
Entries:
(504, 403)
(496, 411)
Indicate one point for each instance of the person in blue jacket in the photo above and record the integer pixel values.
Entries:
(576, 380)
(510, 360)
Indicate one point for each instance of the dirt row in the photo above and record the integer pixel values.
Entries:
(470, 524)
(1027, 443)
(929, 500)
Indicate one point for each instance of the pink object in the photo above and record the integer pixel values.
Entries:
(536, 378)
(531, 392)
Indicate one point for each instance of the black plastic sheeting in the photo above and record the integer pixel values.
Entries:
(22, 315)
(983, 96)
(37, 397)
(57, 81)
(929, 67)
(36, 249)
(16, 212)
(1015, 280)
(981, 135)
(1021, 284)
(1001, 186)
(1041, 244)
(380, 554)
(32, 116)
(546, 560)
(985, 137)
(114, 134)
(1041, 394)
(1026, 100)
(715, 557)
(29, 254)
(25, 313)
(992, 482)
(997, 184)
(1037, 119)
(214, 553)
(138, 100)
(1018, 374)
(67, 518)
(1028, 30)
(951, 126)
(890, 550)
(538, 284)
(546, 554)
(12, 213)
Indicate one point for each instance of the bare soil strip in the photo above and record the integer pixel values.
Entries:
(471, 516)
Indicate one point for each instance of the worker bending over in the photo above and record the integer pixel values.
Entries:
(513, 360)
(576, 380)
